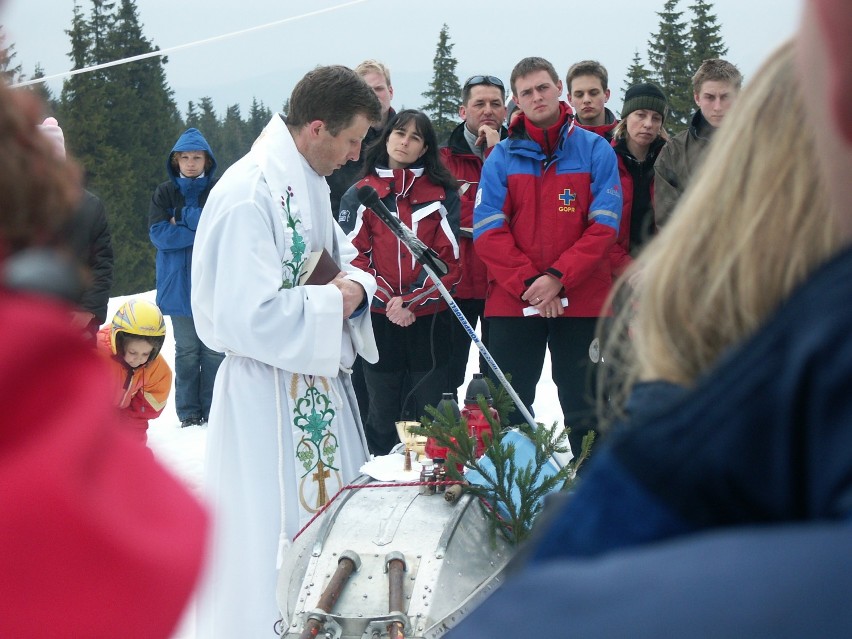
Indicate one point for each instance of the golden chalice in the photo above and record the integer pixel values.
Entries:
(413, 443)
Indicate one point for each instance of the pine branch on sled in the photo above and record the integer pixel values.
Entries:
(513, 492)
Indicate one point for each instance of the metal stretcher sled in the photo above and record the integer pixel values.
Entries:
(389, 562)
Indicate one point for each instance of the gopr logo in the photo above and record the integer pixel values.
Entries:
(567, 198)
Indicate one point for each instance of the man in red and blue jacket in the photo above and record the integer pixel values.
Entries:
(547, 212)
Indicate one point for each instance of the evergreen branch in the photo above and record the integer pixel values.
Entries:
(512, 492)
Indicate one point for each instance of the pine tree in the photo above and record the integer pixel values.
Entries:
(121, 123)
(259, 116)
(10, 73)
(42, 90)
(81, 111)
(705, 36)
(80, 38)
(208, 124)
(157, 114)
(444, 95)
(145, 121)
(100, 23)
(191, 115)
(669, 61)
(636, 73)
(233, 141)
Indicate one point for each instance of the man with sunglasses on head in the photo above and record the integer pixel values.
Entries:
(483, 111)
(546, 214)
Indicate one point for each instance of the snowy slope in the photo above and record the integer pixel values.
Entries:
(182, 449)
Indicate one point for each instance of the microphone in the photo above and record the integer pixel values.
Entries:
(368, 196)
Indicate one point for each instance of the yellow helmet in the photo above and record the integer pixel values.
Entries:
(139, 318)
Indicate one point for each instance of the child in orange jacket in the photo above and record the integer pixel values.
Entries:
(141, 377)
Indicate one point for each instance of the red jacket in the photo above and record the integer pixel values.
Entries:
(431, 211)
(97, 539)
(557, 215)
(466, 167)
(604, 130)
(140, 394)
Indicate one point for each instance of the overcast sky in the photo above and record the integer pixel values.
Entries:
(488, 38)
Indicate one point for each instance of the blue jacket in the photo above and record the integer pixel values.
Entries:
(780, 582)
(719, 510)
(762, 439)
(180, 199)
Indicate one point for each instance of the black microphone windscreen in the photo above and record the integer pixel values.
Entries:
(367, 196)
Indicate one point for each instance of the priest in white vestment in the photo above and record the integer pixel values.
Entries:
(284, 434)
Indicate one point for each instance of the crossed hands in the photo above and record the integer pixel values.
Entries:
(544, 295)
(397, 314)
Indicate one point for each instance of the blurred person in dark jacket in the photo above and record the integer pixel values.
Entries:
(89, 240)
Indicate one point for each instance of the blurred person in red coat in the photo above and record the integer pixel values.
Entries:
(98, 539)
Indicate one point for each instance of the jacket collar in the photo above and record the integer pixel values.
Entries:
(405, 183)
(521, 130)
(622, 150)
(700, 128)
(604, 130)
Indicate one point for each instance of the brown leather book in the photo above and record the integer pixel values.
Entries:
(320, 268)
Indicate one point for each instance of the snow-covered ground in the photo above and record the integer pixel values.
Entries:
(182, 449)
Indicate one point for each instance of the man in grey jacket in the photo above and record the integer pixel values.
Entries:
(715, 87)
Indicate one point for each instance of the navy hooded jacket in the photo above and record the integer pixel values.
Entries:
(721, 510)
(763, 438)
(180, 199)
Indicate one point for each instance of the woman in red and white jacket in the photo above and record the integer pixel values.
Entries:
(411, 321)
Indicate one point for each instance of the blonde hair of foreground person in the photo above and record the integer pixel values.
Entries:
(750, 228)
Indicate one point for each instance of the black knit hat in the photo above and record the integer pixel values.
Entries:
(645, 96)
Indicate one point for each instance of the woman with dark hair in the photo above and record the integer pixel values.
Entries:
(411, 321)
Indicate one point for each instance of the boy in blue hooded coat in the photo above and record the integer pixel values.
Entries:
(172, 220)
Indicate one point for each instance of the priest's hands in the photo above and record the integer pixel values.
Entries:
(353, 294)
